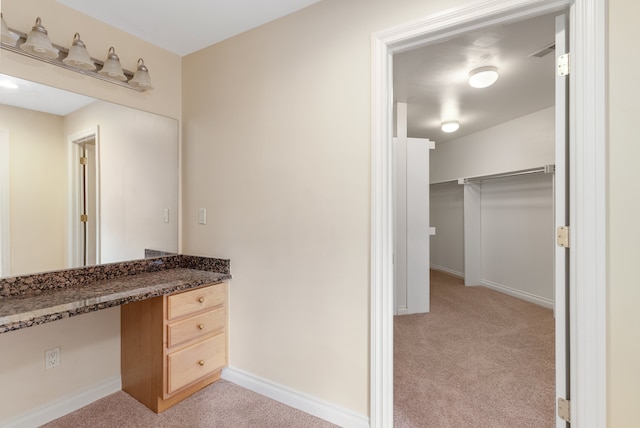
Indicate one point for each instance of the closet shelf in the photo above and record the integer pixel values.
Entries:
(546, 169)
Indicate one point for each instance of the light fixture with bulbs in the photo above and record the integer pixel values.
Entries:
(37, 45)
(38, 42)
(483, 77)
(79, 56)
(112, 67)
(141, 78)
(8, 36)
(450, 126)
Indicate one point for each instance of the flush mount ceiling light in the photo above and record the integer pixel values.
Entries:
(8, 37)
(483, 77)
(78, 55)
(450, 126)
(8, 85)
(38, 42)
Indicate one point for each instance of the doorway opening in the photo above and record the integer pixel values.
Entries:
(587, 203)
(492, 206)
(84, 197)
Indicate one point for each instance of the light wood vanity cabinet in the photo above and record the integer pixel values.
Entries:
(173, 346)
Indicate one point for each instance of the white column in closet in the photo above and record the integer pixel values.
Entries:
(411, 219)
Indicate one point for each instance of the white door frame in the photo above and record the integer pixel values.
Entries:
(587, 157)
(73, 180)
(5, 247)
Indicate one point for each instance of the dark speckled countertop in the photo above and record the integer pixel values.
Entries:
(77, 297)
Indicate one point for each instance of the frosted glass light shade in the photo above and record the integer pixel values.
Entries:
(38, 42)
(483, 77)
(112, 67)
(451, 126)
(78, 56)
(141, 78)
(8, 37)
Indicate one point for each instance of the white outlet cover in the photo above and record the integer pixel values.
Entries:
(52, 358)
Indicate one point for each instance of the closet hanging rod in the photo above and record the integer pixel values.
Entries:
(547, 169)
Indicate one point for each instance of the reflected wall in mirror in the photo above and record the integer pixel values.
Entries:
(82, 181)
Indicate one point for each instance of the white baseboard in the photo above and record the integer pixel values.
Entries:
(538, 300)
(402, 310)
(63, 406)
(314, 406)
(447, 270)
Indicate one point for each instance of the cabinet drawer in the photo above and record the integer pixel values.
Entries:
(196, 326)
(193, 362)
(195, 300)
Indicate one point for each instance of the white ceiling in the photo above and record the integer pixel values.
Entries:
(185, 26)
(34, 96)
(433, 80)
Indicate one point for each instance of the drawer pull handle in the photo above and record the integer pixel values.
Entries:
(201, 362)
(201, 326)
(201, 300)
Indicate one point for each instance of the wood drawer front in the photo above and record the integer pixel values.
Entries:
(193, 362)
(196, 326)
(195, 300)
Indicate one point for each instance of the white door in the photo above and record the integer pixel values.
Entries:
(561, 196)
(411, 214)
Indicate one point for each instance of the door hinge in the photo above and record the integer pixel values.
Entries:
(564, 409)
(563, 236)
(563, 65)
(84, 218)
(83, 160)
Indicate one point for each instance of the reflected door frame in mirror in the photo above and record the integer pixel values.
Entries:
(4, 204)
(84, 198)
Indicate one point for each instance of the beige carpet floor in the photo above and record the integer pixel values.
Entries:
(479, 359)
(220, 405)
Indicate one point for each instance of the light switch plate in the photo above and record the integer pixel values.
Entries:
(202, 216)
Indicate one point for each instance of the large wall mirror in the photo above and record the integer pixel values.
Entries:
(82, 181)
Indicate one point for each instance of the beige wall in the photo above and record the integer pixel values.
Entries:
(624, 212)
(90, 343)
(276, 147)
(37, 186)
(90, 356)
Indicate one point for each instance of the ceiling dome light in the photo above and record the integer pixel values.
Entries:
(8, 85)
(483, 77)
(450, 126)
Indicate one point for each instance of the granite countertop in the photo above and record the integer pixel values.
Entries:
(20, 311)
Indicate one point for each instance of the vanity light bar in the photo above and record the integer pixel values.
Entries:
(63, 52)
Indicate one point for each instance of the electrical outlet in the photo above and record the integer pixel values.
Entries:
(52, 358)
